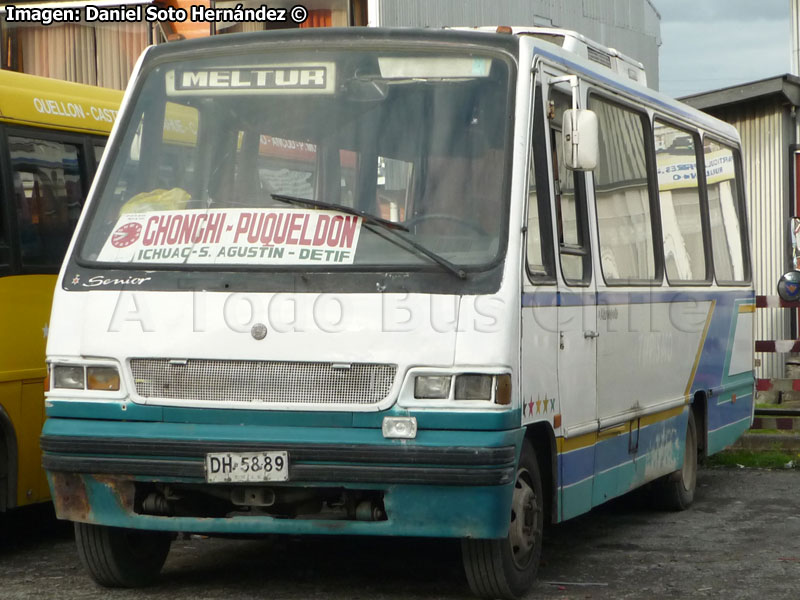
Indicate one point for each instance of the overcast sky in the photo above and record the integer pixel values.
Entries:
(711, 44)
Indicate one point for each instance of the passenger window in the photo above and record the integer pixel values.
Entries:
(348, 177)
(539, 236)
(98, 153)
(393, 188)
(725, 213)
(5, 251)
(623, 200)
(287, 166)
(571, 220)
(681, 212)
(48, 193)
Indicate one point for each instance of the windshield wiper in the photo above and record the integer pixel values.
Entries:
(368, 218)
(387, 225)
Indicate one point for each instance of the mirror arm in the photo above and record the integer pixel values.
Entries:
(573, 84)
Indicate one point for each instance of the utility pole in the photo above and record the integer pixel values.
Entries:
(795, 37)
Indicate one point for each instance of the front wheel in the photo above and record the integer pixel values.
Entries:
(121, 558)
(676, 490)
(506, 568)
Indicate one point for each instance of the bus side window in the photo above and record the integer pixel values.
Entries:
(625, 225)
(5, 250)
(728, 236)
(98, 148)
(48, 191)
(682, 219)
(539, 238)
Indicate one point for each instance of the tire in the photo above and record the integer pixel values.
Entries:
(676, 490)
(121, 558)
(506, 568)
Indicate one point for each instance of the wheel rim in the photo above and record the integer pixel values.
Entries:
(525, 521)
(689, 470)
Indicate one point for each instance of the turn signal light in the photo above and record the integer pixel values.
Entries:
(502, 390)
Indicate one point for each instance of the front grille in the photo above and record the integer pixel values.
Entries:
(262, 381)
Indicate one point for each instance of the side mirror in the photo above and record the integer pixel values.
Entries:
(580, 139)
(789, 286)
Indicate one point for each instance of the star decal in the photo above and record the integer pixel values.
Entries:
(544, 404)
(530, 407)
(538, 405)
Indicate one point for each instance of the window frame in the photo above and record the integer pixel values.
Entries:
(86, 168)
(538, 155)
(501, 50)
(741, 205)
(702, 191)
(606, 95)
(584, 248)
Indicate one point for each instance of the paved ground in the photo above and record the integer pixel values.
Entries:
(740, 540)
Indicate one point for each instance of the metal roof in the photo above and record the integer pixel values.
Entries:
(785, 87)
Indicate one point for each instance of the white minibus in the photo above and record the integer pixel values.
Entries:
(399, 283)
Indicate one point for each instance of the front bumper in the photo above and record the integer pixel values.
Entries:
(443, 484)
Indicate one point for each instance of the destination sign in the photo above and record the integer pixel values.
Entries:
(316, 78)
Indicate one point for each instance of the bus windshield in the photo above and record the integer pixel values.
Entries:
(216, 149)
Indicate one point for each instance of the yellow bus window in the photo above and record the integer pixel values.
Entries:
(48, 193)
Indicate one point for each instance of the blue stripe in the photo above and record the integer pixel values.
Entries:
(649, 296)
(576, 465)
(722, 412)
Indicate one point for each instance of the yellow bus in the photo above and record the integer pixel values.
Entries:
(52, 135)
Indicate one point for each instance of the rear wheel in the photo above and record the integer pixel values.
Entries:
(676, 490)
(117, 557)
(506, 568)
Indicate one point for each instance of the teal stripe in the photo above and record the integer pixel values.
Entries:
(576, 499)
(725, 436)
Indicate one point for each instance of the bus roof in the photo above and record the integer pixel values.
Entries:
(55, 104)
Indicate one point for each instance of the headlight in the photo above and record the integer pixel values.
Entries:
(428, 387)
(68, 378)
(474, 387)
(102, 378)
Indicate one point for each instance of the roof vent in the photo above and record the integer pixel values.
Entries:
(598, 56)
(572, 41)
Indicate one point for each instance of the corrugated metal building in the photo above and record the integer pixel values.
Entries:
(765, 113)
(631, 26)
(104, 53)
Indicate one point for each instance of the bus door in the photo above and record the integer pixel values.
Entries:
(635, 342)
(577, 315)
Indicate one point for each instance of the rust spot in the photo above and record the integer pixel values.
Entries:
(123, 490)
(69, 497)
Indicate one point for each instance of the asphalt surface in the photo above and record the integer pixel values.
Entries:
(741, 539)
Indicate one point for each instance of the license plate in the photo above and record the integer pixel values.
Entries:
(237, 467)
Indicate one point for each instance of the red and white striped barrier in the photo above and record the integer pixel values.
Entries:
(777, 385)
(778, 346)
(774, 302)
